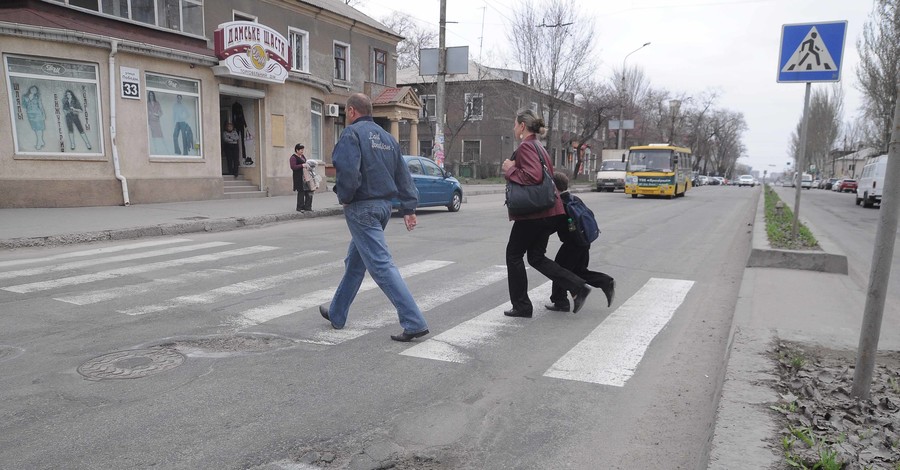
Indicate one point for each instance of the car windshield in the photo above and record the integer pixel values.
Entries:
(650, 160)
(612, 165)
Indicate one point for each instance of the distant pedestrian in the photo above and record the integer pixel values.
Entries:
(231, 148)
(531, 232)
(575, 257)
(299, 164)
(370, 172)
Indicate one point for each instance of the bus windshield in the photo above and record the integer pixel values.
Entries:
(612, 165)
(650, 160)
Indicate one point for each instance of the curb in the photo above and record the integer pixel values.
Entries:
(829, 260)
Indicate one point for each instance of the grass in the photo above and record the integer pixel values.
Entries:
(780, 223)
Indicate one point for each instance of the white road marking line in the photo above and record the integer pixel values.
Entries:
(92, 252)
(233, 290)
(425, 302)
(453, 344)
(265, 313)
(113, 259)
(142, 268)
(610, 354)
(103, 295)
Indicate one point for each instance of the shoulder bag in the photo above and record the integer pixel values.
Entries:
(528, 199)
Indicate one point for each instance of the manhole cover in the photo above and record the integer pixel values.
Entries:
(132, 364)
(9, 352)
(227, 345)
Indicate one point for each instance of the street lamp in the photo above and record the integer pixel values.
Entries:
(673, 108)
(622, 102)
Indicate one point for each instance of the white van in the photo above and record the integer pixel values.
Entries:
(805, 181)
(871, 183)
(611, 175)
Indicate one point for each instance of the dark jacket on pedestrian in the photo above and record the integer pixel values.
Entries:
(369, 165)
(298, 164)
(527, 170)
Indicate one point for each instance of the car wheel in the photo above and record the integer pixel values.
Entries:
(867, 202)
(455, 202)
(634, 196)
(858, 200)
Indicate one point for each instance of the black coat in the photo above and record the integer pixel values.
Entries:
(298, 165)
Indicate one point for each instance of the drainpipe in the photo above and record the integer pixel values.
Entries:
(114, 48)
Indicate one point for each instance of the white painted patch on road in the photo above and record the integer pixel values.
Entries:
(112, 259)
(426, 302)
(130, 270)
(269, 312)
(610, 354)
(92, 252)
(455, 344)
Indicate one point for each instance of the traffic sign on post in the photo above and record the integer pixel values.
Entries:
(811, 52)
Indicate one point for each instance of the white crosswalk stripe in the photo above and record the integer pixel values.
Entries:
(113, 259)
(426, 302)
(92, 252)
(102, 295)
(138, 269)
(279, 309)
(610, 354)
(455, 344)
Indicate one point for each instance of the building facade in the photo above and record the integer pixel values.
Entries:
(124, 102)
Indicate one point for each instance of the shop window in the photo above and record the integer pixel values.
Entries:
(55, 106)
(380, 60)
(173, 116)
(474, 106)
(314, 149)
(300, 49)
(341, 56)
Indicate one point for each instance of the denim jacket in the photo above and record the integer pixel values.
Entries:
(368, 165)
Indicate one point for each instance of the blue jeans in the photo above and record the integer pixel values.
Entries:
(369, 252)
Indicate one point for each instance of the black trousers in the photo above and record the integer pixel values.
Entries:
(231, 158)
(575, 258)
(304, 200)
(530, 237)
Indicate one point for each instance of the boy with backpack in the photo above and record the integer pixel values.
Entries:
(574, 254)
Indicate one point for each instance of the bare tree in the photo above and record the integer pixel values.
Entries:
(878, 72)
(553, 42)
(824, 124)
(416, 37)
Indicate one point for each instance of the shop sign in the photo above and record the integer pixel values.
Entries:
(252, 51)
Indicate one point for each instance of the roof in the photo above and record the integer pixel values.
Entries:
(861, 154)
(343, 9)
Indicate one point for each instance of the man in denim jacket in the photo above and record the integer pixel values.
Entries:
(370, 172)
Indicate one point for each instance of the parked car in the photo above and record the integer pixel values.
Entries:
(847, 186)
(837, 185)
(746, 180)
(871, 182)
(702, 180)
(437, 187)
(806, 180)
(827, 183)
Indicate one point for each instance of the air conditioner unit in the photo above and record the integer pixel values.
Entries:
(332, 110)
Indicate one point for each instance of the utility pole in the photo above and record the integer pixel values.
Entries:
(441, 87)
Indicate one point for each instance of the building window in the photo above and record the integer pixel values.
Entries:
(425, 148)
(178, 15)
(299, 49)
(314, 149)
(339, 127)
(471, 150)
(474, 106)
(241, 16)
(341, 56)
(380, 61)
(173, 116)
(428, 106)
(534, 107)
(55, 106)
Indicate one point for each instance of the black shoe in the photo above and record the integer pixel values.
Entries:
(407, 337)
(557, 307)
(579, 298)
(610, 292)
(517, 313)
(323, 310)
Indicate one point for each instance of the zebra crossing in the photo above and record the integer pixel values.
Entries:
(609, 355)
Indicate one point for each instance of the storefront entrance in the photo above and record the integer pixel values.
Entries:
(243, 113)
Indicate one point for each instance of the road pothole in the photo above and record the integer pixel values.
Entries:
(228, 345)
(131, 364)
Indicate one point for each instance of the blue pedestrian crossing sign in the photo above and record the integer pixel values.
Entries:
(811, 52)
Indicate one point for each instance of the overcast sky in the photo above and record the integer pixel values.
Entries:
(731, 46)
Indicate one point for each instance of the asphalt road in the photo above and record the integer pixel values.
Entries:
(215, 356)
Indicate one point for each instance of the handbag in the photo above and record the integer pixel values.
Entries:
(528, 199)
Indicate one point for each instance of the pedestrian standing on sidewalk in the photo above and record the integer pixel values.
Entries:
(531, 232)
(298, 165)
(370, 172)
(575, 257)
(231, 147)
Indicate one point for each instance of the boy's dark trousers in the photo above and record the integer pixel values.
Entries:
(575, 258)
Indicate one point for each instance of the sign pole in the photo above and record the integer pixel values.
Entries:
(798, 170)
(438, 153)
(880, 272)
